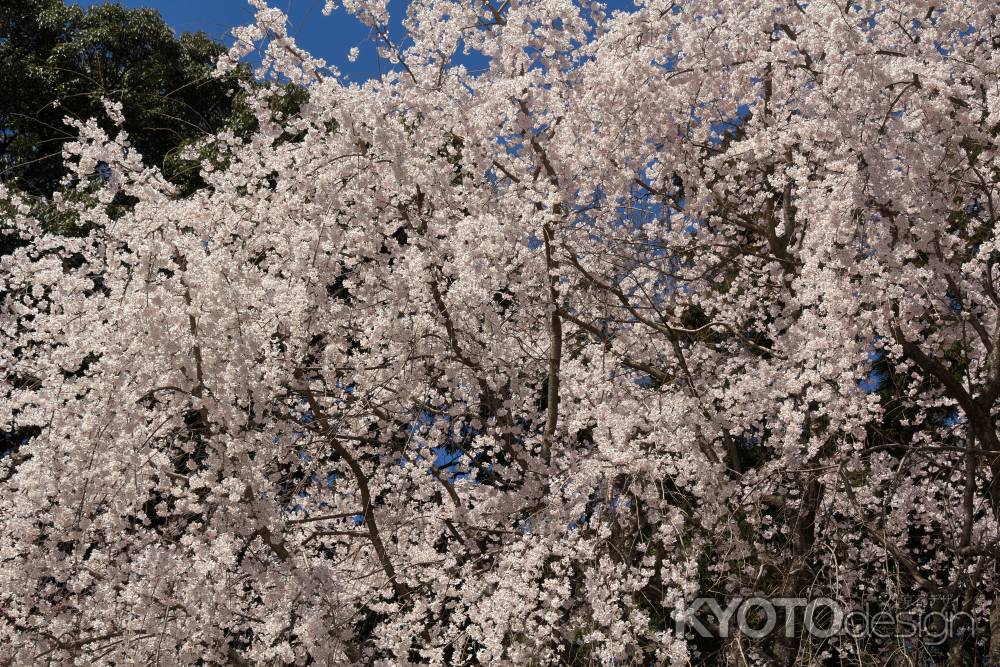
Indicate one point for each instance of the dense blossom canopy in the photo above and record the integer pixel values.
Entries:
(503, 358)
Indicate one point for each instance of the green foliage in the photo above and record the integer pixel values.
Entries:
(183, 169)
(60, 60)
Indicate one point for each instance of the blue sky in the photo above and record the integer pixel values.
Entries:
(328, 37)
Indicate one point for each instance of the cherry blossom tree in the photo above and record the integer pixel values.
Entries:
(509, 365)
